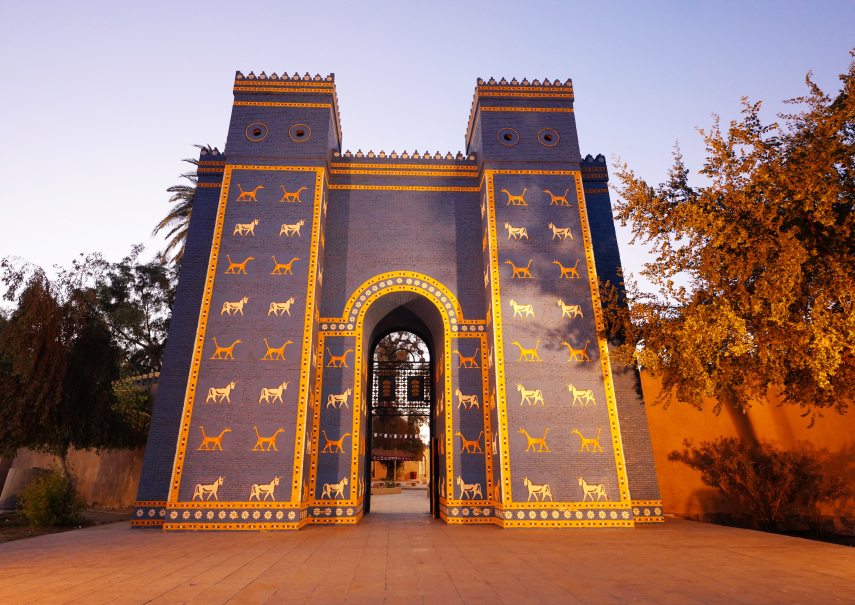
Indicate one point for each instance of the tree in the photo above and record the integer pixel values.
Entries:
(177, 220)
(59, 363)
(136, 300)
(754, 272)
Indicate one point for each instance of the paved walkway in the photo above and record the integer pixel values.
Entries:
(408, 558)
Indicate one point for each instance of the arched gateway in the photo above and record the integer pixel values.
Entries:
(299, 257)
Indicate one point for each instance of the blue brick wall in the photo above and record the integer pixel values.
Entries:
(425, 216)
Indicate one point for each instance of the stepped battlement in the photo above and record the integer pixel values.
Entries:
(296, 77)
(210, 153)
(404, 155)
(568, 83)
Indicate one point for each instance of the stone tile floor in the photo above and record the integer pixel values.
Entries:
(399, 555)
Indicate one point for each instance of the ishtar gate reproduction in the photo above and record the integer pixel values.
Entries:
(300, 257)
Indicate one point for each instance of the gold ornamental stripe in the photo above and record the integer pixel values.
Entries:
(647, 503)
(539, 109)
(288, 82)
(504, 87)
(325, 91)
(445, 167)
(231, 504)
(605, 361)
(533, 95)
(402, 188)
(209, 185)
(568, 523)
(280, 104)
(214, 169)
(249, 526)
(436, 173)
(468, 520)
(498, 345)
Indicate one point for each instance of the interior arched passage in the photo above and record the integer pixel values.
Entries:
(412, 312)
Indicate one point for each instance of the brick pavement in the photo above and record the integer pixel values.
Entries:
(404, 557)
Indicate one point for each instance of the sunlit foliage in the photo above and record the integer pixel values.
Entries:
(753, 273)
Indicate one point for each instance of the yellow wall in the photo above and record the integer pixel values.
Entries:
(831, 439)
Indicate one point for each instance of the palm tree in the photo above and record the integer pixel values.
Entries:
(177, 220)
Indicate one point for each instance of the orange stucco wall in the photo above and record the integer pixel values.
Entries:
(831, 440)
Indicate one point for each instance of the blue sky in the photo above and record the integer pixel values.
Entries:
(103, 99)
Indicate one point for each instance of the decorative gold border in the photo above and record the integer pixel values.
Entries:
(359, 384)
(405, 167)
(647, 503)
(529, 95)
(315, 90)
(146, 522)
(178, 526)
(316, 426)
(280, 104)
(285, 81)
(394, 275)
(498, 343)
(488, 422)
(335, 520)
(488, 520)
(617, 444)
(306, 361)
(201, 327)
(528, 109)
(446, 357)
(401, 188)
(417, 173)
(209, 185)
(563, 523)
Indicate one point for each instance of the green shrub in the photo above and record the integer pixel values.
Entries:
(50, 500)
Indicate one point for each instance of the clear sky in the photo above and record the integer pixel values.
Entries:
(102, 100)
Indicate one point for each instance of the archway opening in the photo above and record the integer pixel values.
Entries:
(404, 337)
(399, 423)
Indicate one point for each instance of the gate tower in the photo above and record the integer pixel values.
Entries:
(298, 254)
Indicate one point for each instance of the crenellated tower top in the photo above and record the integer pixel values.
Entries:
(513, 121)
(264, 95)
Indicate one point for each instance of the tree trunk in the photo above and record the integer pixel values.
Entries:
(741, 422)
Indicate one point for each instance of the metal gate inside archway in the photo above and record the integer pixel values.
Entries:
(400, 425)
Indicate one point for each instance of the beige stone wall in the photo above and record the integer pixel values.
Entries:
(105, 480)
(831, 440)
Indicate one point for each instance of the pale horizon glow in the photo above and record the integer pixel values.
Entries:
(103, 99)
